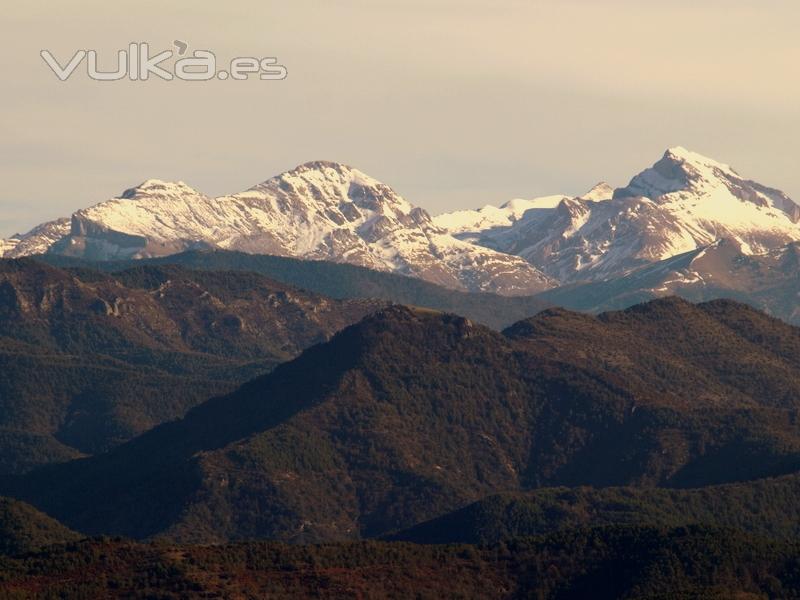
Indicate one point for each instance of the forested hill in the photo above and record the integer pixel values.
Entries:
(410, 414)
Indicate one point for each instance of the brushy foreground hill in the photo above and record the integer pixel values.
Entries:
(411, 414)
(601, 563)
(89, 360)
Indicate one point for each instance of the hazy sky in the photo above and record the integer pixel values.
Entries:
(453, 103)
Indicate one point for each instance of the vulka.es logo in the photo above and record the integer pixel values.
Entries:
(137, 64)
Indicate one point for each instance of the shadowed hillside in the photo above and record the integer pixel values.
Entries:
(766, 507)
(89, 360)
(411, 414)
(342, 281)
(24, 529)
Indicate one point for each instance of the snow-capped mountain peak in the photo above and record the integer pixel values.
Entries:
(682, 173)
(325, 210)
(684, 201)
(330, 184)
(319, 210)
(37, 241)
(681, 154)
(154, 188)
(678, 170)
(601, 191)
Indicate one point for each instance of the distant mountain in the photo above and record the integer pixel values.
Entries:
(491, 217)
(768, 281)
(340, 281)
(683, 202)
(90, 359)
(470, 224)
(327, 211)
(410, 414)
(318, 211)
(601, 191)
(37, 241)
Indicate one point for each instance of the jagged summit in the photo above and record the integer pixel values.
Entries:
(157, 187)
(681, 170)
(320, 172)
(321, 165)
(599, 192)
(319, 210)
(684, 155)
(37, 241)
(334, 185)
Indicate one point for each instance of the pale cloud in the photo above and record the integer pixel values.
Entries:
(453, 103)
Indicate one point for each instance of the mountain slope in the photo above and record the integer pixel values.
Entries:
(24, 529)
(37, 241)
(765, 507)
(683, 202)
(342, 281)
(470, 224)
(491, 217)
(89, 359)
(318, 211)
(769, 281)
(8, 245)
(411, 414)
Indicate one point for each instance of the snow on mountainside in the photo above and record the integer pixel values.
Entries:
(769, 281)
(491, 217)
(684, 201)
(8, 245)
(319, 211)
(328, 211)
(601, 191)
(468, 224)
(37, 241)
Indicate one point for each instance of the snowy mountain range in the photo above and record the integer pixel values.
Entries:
(318, 211)
(329, 211)
(683, 202)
